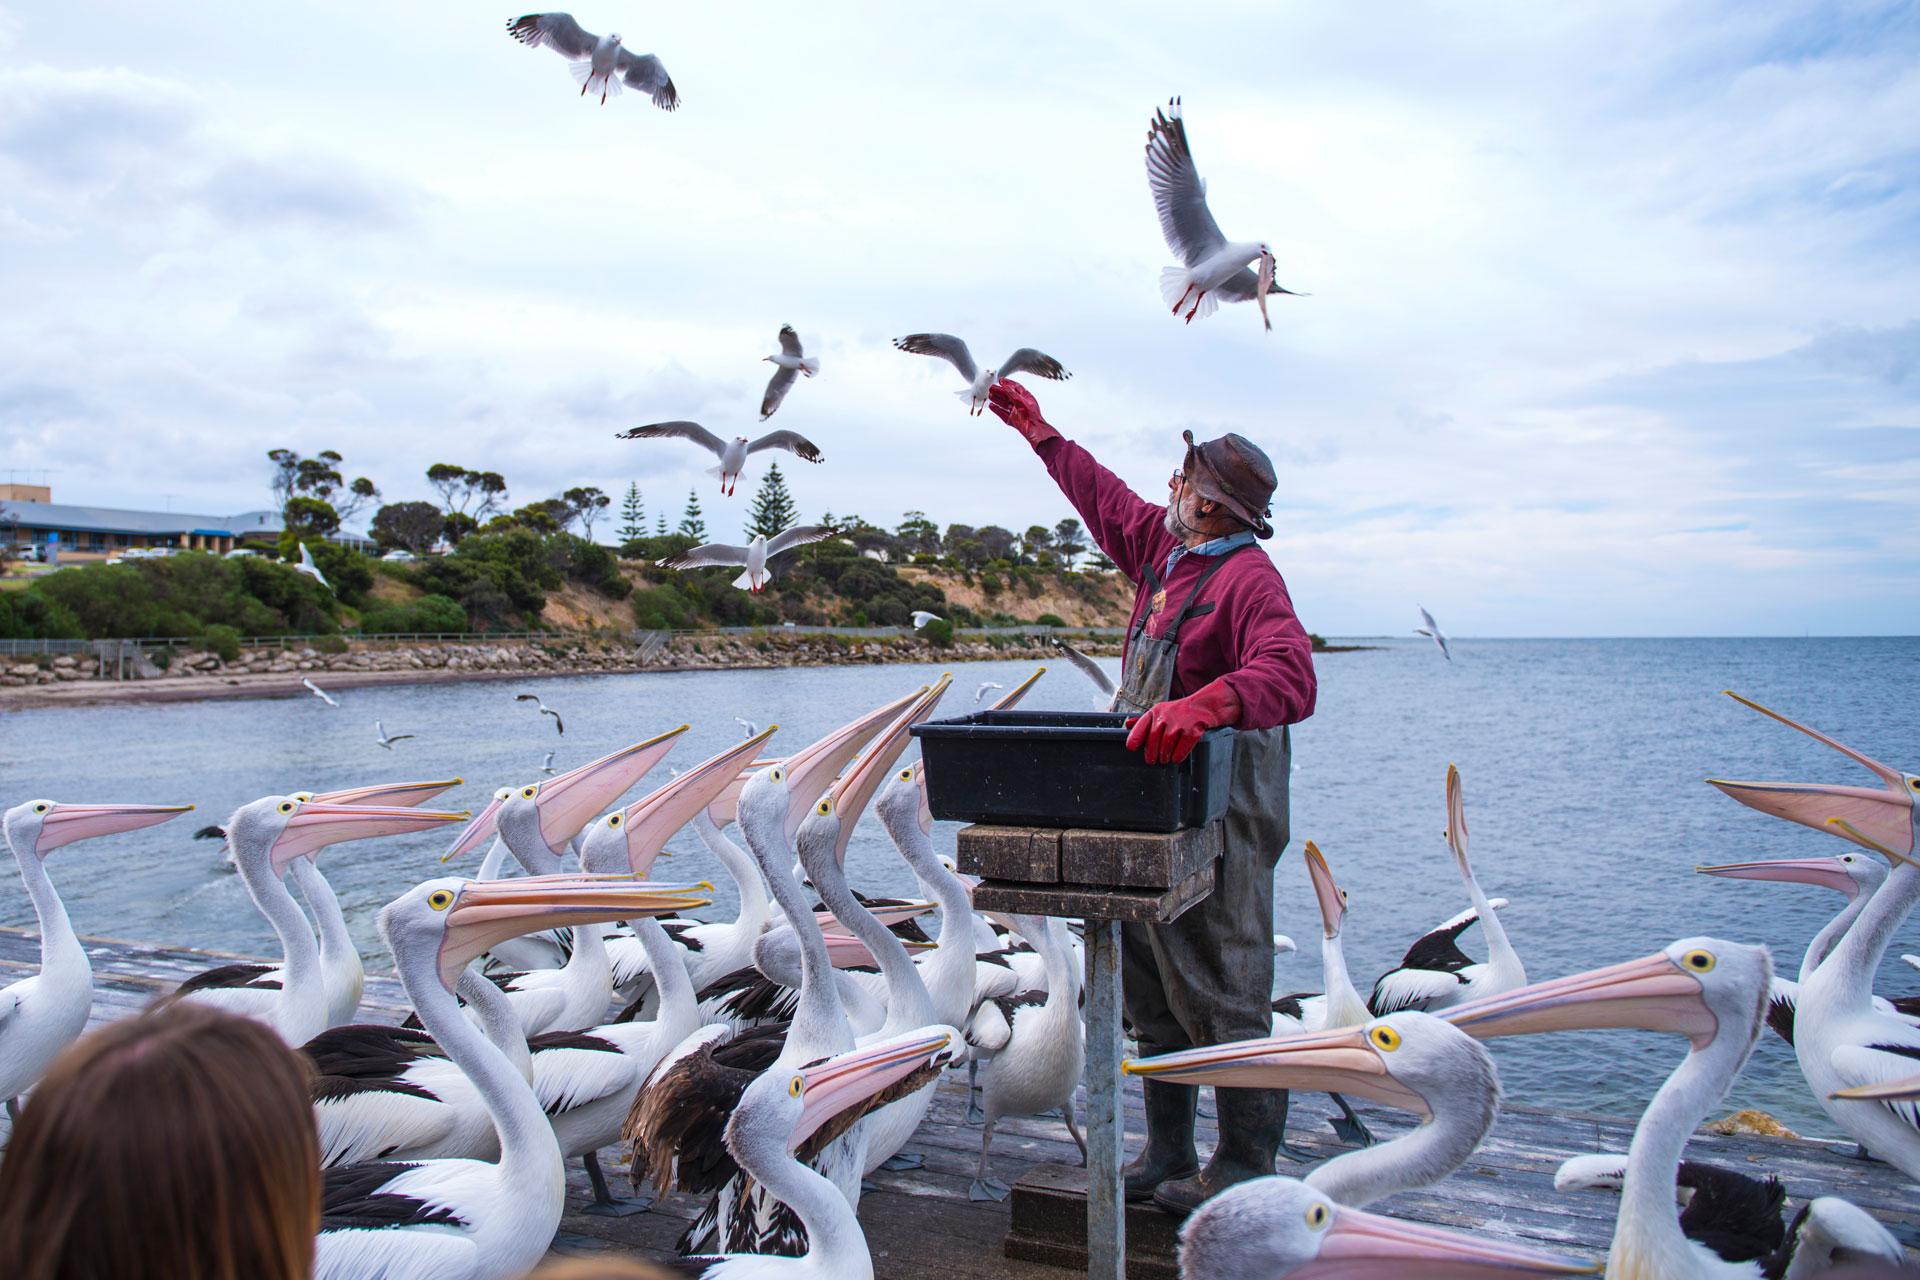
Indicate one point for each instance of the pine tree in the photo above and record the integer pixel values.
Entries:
(660, 525)
(633, 515)
(773, 508)
(691, 525)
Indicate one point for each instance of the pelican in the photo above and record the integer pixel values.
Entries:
(312, 570)
(1102, 682)
(1033, 1050)
(559, 725)
(342, 974)
(1433, 632)
(1274, 1227)
(781, 1113)
(41, 1015)
(980, 379)
(1840, 1038)
(318, 692)
(1433, 979)
(732, 453)
(792, 361)
(469, 1219)
(386, 739)
(599, 63)
(264, 837)
(752, 558)
(538, 821)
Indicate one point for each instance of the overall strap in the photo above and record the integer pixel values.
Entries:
(1186, 609)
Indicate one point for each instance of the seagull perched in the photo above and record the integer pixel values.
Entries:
(388, 739)
(980, 381)
(546, 766)
(981, 692)
(792, 360)
(732, 453)
(1432, 632)
(312, 570)
(921, 618)
(1087, 667)
(559, 726)
(1216, 269)
(753, 730)
(597, 62)
(754, 555)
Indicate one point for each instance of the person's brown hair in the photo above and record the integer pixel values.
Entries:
(175, 1144)
(599, 1267)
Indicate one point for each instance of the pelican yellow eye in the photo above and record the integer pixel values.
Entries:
(1384, 1037)
(1914, 783)
(614, 821)
(303, 796)
(779, 775)
(1698, 961)
(906, 775)
(1317, 1215)
(795, 1086)
(527, 793)
(42, 807)
(440, 899)
(287, 806)
(824, 808)
(503, 793)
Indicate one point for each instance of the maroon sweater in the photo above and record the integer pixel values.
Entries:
(1251, 639)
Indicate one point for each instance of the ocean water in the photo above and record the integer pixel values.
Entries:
(1583, 763)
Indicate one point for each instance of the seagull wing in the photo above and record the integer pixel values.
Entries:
(646, 73)
(777, 387)
(789, 341)
(1432, 627)
(1179, 193)
(944, 345)
(791, 441)
(557, 31)
(1086, 666)
(399, 737)
(559, 725)
(798, 536)
(705, 556)
(677, 431)
(1038, 363)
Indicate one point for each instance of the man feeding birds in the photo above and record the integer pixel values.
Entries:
(1212, 641)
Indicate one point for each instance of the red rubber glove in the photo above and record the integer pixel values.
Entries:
(1014, 405)
(1169, 731)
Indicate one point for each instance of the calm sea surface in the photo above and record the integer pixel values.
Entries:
(1582, 760)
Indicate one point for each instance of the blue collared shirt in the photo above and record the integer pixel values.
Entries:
(1212, 547)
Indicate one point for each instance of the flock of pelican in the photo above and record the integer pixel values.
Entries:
(564, 1003)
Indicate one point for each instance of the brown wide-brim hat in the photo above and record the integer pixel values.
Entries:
(1236, 473)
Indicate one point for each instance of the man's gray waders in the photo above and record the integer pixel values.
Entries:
(1207, 977)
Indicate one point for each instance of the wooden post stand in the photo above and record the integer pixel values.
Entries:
(1105, 878)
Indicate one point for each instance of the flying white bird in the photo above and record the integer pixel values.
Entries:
(753, 556)
(1216, 268)
(312, 570)
(559, 726)
(388, 739)
(753, 730)
(792, 361)
(921, 618)
(981, 692)
(318, 692)
(1432, 632)
(546, 765)
(732, 453)
(1102, 682)
(979, 380)
(597, 62)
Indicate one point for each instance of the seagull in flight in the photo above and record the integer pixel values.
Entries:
(318, 692)
(921, 618)
(545, 710)
(312, 570)
(732, 453)
(546, 766)
(753, 556)
(1091, 670)
(979, 380)
(1216, 269)
(597, 62)
(753, 730)
(388, 739)
(981, 692)
(1432, 632)
(792, 361)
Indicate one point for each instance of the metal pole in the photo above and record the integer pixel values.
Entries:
(1106, 1207)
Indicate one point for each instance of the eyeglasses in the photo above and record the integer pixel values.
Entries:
(1178, 477)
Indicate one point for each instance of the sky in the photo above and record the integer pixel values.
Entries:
(1614, 325)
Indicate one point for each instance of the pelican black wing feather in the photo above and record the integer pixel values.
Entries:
(678, 1123)
(1780, 1012)
(368, 1058)
(1290, 1006)
(1908, 1005)
(353, 1198)
(215, 832)
(756, 998)
(681, 932)
(1731, 1213)
(229, 976)
(1440, 950)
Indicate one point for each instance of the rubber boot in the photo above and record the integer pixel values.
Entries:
(1169, 1151)
(1252, 1123)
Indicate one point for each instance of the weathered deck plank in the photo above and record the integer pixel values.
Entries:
(920, 1223)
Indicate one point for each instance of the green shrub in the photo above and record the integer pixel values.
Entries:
(330, 644)
(26, 615)
(428, 613)
(661, 608)
(938, 633)
(222, 641)
(1050, 620)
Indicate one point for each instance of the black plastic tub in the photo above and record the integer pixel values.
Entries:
(1068, 769)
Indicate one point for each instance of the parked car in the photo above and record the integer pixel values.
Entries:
(238, 552)
(399, 556)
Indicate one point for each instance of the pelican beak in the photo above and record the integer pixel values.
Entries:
(1879, 818)
(1887, 1091)
(488, 912)
(926, 806)
(827, 1089)
(1333, 903)
(651, 822)
(316, 824)
(889, 914)
(1366, 1246)
(849, 797)
(404, 795)
(567, 803)
(68, 823)
(1343, 1061)
(479, 831)
(808, 772)
(726, 806)
(1652, 994)
(1011, 698)
(1457, 820)
(848, 952)
(1828, 873)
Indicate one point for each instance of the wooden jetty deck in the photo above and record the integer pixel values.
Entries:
(920, 1223)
